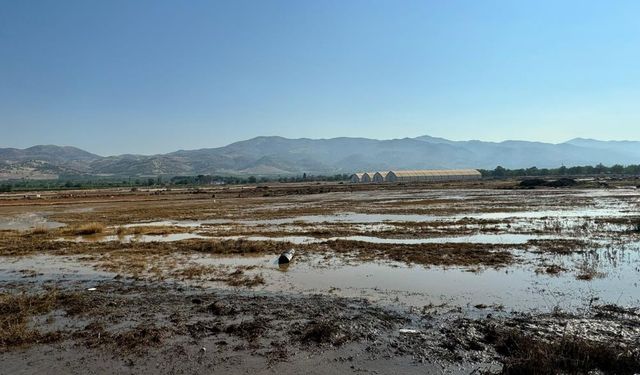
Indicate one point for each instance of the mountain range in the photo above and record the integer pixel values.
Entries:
(271, 156)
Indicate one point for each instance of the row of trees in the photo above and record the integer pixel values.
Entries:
(587, 170)
(69, 182)
(77, 183)
(224, 180)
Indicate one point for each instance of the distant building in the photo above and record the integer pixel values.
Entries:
(433, 175)
(416, 176)
(379, 177)
(362, 177)
(356, 177)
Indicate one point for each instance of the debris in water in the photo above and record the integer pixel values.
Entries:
(286, 256)
(408, 331)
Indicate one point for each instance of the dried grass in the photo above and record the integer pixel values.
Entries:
(89, 228)
(17, 311)
(527, 354)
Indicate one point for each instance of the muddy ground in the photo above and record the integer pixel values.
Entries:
(478, 277)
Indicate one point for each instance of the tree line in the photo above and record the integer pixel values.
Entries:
(587, 170)
(68, 183)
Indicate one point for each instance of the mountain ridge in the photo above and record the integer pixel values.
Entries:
(275, 155)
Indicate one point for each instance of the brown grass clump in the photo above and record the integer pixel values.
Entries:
(232, 246)
(196, 272)
(89, 228)
(567, 246)
(239, 279)
(323, 332)
(139, 338)
(550, 269)
(588, 271)
(526, 354)
(445, 254)
(40, 230)
(250, 330)
(150, 230)
(17, 310)
(14, 243)
(236, 278)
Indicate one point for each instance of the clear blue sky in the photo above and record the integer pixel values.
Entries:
(138, 76)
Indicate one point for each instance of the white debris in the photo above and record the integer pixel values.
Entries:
(408, 331)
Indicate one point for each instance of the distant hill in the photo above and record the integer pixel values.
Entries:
(283, 156)
(44, 162)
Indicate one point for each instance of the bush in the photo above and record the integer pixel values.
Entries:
(90, 228)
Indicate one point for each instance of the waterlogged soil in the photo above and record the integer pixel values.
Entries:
(151, 329)
(154, 328)
(409, 279)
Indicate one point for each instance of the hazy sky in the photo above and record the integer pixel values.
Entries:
(155, 76)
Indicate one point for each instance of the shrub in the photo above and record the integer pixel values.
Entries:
(90, 228)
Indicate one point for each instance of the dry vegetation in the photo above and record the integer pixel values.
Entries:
(88, 229)
(527, 354)
(235, 278)
(561, 246)
(39, 230)
(447, 254)
(17, 311)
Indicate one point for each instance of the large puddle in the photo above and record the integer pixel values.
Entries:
(371, 218)
(28, 221)
(516, 288)
(179, 223)
(45, 268)
(557, 214)
(297, 240)
(135, 237)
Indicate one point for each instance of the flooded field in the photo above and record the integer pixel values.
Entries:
(427, 274)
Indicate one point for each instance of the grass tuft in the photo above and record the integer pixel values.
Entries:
(323, 332)
(40, 230)
(90, 228)
(527, 354)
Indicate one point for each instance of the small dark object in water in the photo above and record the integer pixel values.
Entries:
(532, 183)
(286, 256)
(562, 182)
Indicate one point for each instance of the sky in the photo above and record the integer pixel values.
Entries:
(124, 76)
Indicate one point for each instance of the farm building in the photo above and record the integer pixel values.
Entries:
(379, 177)
(356, 177)
(366, 177)
(417, 176)
(433, 175)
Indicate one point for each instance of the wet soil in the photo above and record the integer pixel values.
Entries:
(453, 278)
(145, 328)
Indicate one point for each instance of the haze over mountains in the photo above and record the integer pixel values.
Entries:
(282, 156)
